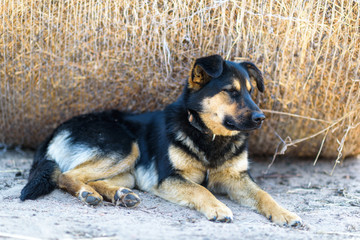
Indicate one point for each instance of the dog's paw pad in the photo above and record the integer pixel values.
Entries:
(296, 224)
(126, 198)
(222, 220)
(213, 219)
(89, 198)
(226, 220)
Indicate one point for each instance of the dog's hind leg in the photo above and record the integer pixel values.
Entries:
(75, 184)
(99, 174)
(117, 190)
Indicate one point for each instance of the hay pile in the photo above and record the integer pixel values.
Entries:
(62, 58)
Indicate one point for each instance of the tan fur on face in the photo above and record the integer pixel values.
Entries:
(189, 167)
(214, 111)
(237, 85)
(248, 85)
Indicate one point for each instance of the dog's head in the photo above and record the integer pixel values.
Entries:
(220, 91)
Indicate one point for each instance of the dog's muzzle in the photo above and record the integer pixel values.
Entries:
(250, 122)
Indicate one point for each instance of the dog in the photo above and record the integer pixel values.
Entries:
(195, 147)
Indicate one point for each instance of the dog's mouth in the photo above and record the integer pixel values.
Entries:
(233, 126)
(230, 125)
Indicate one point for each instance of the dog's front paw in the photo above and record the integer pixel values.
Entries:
(219, 213)
(90, 198)
(126, 198)
(283, 217)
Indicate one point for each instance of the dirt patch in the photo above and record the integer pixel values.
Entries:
(328, 205)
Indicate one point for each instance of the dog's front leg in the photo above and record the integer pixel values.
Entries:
(240, 187)
(187, 193)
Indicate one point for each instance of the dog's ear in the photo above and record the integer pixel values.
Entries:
(204, 69)
(255, 73)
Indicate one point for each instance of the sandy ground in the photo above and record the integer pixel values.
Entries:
(328, 205)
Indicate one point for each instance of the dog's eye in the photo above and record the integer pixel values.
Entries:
(230, 90)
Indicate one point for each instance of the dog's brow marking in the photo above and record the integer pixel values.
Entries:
(248, 85)
(229, 87)
(237, 85)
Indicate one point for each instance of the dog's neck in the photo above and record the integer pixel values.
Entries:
(196, 123)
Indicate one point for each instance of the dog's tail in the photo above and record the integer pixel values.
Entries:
(43, 175)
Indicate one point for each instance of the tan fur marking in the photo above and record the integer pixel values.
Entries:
(122, 180)
(190, 194)
(236, 164)
(75, 180)
(108, 187)
(95, 169)
(248, 85)
(189, 167)
(214, 111)
(74, 186)
(237, 185)
(234, 86)
(237, 85)
(106, 190)
(190, 144)
(237, 144)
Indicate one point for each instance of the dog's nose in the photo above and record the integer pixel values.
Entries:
(257, 117)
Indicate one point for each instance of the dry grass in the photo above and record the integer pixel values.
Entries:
(60, 58)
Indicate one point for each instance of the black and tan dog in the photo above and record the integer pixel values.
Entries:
(196, 145)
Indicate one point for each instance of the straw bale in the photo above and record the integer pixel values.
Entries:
(61, 58)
